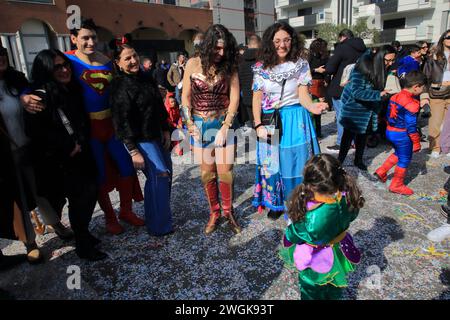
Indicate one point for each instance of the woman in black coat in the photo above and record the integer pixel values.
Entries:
(140, 121)
(64, 166)
(16, 174)
(318, 58)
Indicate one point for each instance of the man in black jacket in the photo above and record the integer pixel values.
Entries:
(347, 52)
(246, 79)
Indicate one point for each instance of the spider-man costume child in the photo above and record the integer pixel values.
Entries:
(402, 132)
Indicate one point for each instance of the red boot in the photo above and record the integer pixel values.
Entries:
(226, 191)
(112, 225)
(125, 187)
(382, 171)
(397, 185)
(209, 180)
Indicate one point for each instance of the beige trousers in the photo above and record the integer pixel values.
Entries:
(439, 109)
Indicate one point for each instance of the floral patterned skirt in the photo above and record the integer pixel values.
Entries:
(279, 166)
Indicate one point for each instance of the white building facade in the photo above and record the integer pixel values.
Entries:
(407, 21)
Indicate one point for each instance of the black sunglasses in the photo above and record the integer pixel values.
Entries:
(447, 38)
(61, 66)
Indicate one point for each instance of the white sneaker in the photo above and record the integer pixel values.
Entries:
(435, 154)
(439, 234)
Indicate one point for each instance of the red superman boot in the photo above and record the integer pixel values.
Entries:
(112, 225)
(125, 187)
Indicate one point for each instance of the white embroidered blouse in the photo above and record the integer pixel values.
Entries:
(270, 82)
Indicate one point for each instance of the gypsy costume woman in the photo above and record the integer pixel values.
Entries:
(321, 249)
(279, 166)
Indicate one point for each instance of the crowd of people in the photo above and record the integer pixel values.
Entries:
(84, 123)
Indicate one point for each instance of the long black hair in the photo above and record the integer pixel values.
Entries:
(228, 65)
(268, 53)
(323, 174)
(372, 66)
(42, 75)
(15, 81)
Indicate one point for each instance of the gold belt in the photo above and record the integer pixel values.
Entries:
(105, 114)
(338, 239)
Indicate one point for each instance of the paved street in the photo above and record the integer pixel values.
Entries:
(398, 261)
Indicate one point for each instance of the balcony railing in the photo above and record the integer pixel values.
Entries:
(292, 3)
(203, 4)
(407, 34)
(311, 20)
(393, 6)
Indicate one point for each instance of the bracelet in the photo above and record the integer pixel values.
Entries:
(259, 125)
(224, 123)
(134, 152)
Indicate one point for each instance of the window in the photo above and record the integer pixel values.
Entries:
(304, 12)
(394, 24)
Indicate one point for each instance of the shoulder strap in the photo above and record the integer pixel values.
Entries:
(283, 84)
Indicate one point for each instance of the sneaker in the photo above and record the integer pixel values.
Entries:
(448, 155)
(334, 149)
(435, 155)
(439, 234)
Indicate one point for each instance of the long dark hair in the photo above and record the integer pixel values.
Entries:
(268, 53)
(323, 174)
(14, 81)
(319, 48)
(228, 64)
(439, 49)
(42, 75)
(372, 66)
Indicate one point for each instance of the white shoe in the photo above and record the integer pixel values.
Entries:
(448, 155)
(439, 234)
(435, 154)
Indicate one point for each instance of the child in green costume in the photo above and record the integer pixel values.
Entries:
(317, 243)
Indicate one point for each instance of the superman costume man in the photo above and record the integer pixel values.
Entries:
(94, 73)
(402, 132)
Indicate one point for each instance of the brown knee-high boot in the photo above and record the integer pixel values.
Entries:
(209, 180)
(226, 191)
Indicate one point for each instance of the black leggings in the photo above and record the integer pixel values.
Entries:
(346, 142)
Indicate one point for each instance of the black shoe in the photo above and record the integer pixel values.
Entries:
(63, 232)
(360, 166)
(8, 262)
(274, 215)
(372, 142)
(34, 255)
(95, 241)
(91, 254)
(334, 149)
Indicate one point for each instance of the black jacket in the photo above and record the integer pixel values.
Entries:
(52, 144)
(9, 190)
(138, 110)
(345, 53)
(316, 62)
(246, 75)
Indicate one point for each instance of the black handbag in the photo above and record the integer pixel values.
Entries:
(272, 121)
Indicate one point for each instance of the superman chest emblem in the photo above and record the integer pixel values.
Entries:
(97, 80)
